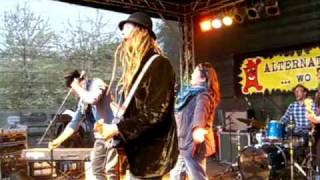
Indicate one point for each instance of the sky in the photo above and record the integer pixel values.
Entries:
(59, 13)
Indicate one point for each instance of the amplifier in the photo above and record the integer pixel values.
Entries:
(58, 154)
(228, 145)
(71, 162)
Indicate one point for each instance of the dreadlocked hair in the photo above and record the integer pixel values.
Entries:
(130, 53)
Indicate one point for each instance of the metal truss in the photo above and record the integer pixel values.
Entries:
(204, 6)
(182, 11)
(169, 9)
(187, 61)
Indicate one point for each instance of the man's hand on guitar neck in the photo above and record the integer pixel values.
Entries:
(310, 115)
(106, 131)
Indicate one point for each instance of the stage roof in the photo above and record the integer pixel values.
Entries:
(168, 9)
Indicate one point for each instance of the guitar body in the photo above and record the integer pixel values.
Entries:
(308, 104)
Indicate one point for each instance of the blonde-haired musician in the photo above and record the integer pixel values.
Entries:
(147, 129)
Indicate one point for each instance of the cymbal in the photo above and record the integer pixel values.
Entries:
(254, 123)
(246, 121)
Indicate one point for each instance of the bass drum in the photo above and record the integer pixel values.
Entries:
(263, 162)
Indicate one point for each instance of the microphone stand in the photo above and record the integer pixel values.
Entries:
(234, 167)
(230, 139)
(309, 165)
(59, 110)
(291, 150)
(238, 144)
(293, 164)
(55, 117)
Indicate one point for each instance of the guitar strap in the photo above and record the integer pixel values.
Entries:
(123, 107)
(115, 143)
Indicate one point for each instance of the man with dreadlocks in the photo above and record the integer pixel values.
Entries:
(147, 128)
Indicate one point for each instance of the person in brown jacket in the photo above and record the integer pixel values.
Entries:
(195, 110)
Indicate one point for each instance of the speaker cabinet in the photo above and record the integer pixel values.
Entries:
(231, 144)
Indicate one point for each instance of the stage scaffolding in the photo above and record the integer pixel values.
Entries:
(182, 11)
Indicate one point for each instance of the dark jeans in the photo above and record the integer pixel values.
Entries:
(104, 161)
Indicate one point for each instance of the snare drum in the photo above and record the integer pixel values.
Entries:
(275, 131)
(262, 162)
(297, 141)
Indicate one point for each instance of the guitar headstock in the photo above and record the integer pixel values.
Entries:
(308, 105)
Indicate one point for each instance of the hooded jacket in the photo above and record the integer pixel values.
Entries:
(198, 112)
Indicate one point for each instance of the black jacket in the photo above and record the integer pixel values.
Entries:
(148, 127)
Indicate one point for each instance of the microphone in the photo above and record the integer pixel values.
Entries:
(291, 123)
(83, 105)
(82, 74)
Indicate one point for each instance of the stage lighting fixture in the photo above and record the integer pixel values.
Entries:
(271, 8)
(227, 20)
(239, 14)
(216, 23)
(253, 11)
(205, 25)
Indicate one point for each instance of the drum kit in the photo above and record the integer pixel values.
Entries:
(275, 153)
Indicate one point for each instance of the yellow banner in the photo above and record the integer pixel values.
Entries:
(280, 72)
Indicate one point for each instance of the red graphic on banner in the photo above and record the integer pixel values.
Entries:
(251, 76)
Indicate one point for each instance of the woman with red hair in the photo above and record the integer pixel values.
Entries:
(195, 110)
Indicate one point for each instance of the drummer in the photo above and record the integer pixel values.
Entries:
(297, 112)
(301, 125)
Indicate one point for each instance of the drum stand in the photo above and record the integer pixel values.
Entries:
(294, 164)
(308, 161)
(309, 164)
(291, 150)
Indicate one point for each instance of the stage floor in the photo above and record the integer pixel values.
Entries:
(217, 171)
